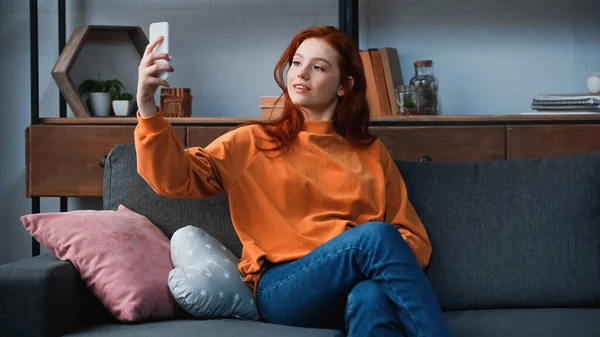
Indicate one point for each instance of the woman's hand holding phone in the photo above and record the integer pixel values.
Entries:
(148, 77)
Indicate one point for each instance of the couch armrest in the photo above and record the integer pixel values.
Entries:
(44, 296)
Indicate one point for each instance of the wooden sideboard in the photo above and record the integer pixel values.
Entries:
(65, 156)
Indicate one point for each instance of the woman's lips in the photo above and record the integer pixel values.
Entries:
(300, 88)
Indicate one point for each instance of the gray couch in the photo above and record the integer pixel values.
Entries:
(516, 252)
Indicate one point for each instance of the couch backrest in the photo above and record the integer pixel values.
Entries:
(513, 233)
(123, 185)
(505, 234)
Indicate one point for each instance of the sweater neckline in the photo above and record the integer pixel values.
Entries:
(323, 127)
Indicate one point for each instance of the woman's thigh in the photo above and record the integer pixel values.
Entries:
(305, 293)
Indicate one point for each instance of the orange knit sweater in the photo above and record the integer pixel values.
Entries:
(282, 208)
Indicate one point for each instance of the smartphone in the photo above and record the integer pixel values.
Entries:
(158, 29)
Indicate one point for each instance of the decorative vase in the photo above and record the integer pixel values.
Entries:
(593, 84)
(100, 103)
(122, 108)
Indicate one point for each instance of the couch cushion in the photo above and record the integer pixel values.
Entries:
(513, 233)
(121, 256)
(525, 322)
(202, 328)
(206, 281)
(123, 185)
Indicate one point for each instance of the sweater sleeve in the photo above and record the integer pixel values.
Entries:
(194, 172)
(400, 212)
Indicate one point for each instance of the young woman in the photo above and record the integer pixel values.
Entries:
(330, 239)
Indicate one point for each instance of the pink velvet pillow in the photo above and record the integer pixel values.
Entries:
(121, 256)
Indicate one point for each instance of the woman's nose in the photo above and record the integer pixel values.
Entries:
(303, 73)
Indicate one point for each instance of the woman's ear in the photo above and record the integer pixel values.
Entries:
(341, 91)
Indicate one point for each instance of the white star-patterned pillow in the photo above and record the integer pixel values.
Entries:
(205, 280)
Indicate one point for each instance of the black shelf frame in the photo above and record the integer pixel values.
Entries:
(347, 21)
(35, 104)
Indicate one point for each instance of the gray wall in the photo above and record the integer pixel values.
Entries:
(491, 57)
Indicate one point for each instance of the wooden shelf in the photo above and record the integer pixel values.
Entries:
(133, 120)
(440, 119)
(67, 160)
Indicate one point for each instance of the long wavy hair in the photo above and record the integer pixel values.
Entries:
(351, 116)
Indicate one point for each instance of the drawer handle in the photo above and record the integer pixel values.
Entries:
(102, 161)
(425, 158)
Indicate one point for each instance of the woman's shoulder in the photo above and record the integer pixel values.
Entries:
(379, 151)
(250, 132)
(242, 135)
(375, 147)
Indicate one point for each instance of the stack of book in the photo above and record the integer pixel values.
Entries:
(564, 104)
(383, 74)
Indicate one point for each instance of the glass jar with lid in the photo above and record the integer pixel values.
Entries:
(426, 85)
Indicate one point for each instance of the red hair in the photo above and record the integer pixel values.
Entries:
(351, 116)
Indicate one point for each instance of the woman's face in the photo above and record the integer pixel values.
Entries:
(313, 79)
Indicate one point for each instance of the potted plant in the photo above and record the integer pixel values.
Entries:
(100, 94)
(122, 103)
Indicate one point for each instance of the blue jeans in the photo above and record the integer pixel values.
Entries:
(366, 281)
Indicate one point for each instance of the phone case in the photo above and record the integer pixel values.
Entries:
(160, 29)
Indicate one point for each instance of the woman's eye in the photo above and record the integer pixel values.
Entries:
(318, 68)
(296, 63)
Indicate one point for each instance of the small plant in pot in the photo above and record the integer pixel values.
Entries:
(122, 103)
(100, 94)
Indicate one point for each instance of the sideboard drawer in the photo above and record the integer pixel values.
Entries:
(444, 143)
(464, 143)
(65, 160)
(529, 141)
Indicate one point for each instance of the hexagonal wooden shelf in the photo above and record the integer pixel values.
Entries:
(65, 61)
